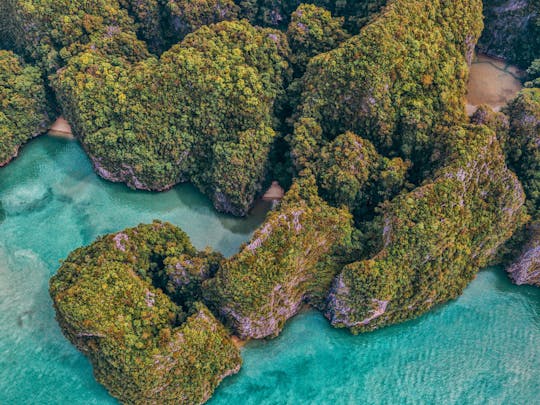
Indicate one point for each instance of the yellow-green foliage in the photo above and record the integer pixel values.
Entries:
(287, 262)
(395, 83)
(352, 173)
(144, 347)
(523, 145)
(23, 105)
(203, 112)
(312, 30)
(435, 237)
(47, 30)
(512, 30)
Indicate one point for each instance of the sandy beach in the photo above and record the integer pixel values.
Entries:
(61, 129)
(275, 192)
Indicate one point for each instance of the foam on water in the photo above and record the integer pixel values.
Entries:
(482, 348)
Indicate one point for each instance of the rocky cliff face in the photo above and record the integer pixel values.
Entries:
(512, 29)
(287, 263)
(526, 268)
(435, 238)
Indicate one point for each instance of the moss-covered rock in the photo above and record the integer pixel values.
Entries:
(396, 83)
(350, 172)
(435, 238)
(203, 112)
(287, 263)
(113, 302)
(512, 30)
(523, 145)
(23, 105)
(312, 31)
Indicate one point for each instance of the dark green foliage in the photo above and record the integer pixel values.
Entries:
(23, 105)
(187, 16)
(523, 145)
(145, 348)
(512, 30)
(203, 112)
(287, 262)
(435, 238)
(312, 31)
(352, 173)
(346, 169)
(277, 13)
(47, 31)
(398, 81)
(163, 23)
(496, 121)
(533, 74)
(148, 16)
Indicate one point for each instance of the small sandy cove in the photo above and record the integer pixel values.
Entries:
(61, 129)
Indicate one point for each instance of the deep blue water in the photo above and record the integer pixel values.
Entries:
(482, 348)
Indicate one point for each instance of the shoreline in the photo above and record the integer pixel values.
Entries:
(492, 81)
(61, 129)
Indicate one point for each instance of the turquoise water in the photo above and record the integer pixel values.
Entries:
(482, 348)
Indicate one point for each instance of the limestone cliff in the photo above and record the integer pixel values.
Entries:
(288, 262)
(512, 30)
(122, 302)
(526, 268)
(435, 238)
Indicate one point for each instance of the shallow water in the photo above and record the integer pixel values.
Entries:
(51, 203)
(492, 82)
(482, 348)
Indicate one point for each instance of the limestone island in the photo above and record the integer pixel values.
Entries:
(396, 174)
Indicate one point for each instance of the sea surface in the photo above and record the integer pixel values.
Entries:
(483, 348)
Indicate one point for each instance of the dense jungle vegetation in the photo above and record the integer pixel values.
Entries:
(146, 344)
(395, 197)
(23, 104)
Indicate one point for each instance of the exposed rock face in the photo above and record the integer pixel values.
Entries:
(435, 238)
(526, 268)
(523, 144)
(287, 263)
(123, 302)
(511, 31)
